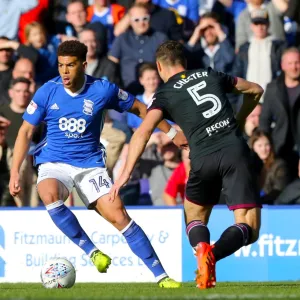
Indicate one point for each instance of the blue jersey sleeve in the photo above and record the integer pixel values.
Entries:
(118, 99)
(35, 112)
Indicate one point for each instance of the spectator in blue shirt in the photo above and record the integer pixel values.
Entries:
(185, 8)
(161, 19)
(150, 80)
(76, 17)
(135, 47)
(107, 14)
(46, 66)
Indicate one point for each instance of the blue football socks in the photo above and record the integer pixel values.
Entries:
(66, 221)
(141, 247)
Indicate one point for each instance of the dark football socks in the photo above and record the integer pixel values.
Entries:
(197, 232)
(231, 240)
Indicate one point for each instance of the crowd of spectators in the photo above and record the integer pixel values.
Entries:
(254, 39)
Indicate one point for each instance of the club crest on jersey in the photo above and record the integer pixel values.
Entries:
(122, 95)
(32, 107)
(88, 107)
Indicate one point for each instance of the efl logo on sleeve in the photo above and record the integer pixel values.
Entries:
(122, 95)
(32, 107)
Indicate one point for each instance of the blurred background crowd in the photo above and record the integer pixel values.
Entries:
(254, 39)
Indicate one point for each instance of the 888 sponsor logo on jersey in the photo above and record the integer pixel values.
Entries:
(74, 127)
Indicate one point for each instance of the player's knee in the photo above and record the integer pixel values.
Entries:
(49, 198)
(118, 219)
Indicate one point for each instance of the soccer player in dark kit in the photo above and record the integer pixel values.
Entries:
(220, 158)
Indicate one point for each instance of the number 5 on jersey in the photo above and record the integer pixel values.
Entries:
(217, 105)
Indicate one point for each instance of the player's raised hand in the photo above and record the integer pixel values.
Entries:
(114, 191)
(14, 184)
(180, 140)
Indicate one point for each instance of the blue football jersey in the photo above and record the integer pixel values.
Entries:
(185, 8)
(107, 20)
(74, 120)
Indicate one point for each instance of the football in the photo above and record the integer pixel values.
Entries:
(58, 273)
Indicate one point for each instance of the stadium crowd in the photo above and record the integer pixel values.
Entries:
(254, 39)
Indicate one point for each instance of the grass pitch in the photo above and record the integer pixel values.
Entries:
(279, 290)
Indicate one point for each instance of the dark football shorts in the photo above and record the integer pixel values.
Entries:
(228, 171)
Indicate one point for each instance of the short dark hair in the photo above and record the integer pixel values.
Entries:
(171, 53)
(146, 67)
(210, 15)
(73, 48)
(84, 3)
(17, 80)
(3, 37)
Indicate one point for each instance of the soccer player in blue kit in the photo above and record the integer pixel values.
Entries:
(73, 107)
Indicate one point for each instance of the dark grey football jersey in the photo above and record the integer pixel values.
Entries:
(196, 100)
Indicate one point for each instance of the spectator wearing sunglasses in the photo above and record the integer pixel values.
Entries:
(135, 47)
(161, 19)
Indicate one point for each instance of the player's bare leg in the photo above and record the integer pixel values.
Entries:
(197, 217)
(51, 190)
(53, 193)
(115, 213)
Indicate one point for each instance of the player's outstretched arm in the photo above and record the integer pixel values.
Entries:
(252, 93)
(140, 109)
(137, 145)
(20, 151)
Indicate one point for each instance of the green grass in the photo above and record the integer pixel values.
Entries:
(278, 290)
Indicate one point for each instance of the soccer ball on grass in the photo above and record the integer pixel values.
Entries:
(58, 273)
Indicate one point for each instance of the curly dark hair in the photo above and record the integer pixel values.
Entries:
(171, 53)
(73, 48)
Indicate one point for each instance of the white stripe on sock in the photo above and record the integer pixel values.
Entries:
(92, 251)
(160, 277)
(56, 204)
(125, 228)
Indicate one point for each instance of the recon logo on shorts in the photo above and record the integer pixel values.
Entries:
(214, 128)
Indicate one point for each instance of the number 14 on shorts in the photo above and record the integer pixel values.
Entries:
(99, 182)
